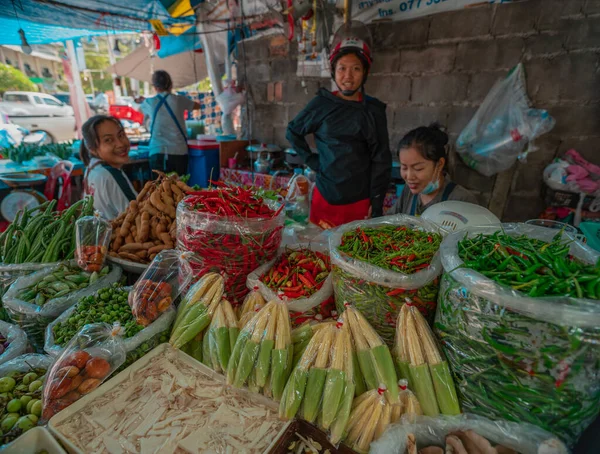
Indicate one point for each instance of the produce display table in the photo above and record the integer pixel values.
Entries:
(280, 182)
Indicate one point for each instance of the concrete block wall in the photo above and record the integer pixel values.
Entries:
(440, 68)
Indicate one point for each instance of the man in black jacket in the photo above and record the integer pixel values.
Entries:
(354, 162)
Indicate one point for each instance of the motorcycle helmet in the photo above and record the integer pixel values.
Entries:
(352, 38)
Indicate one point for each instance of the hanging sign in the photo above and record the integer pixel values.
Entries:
(159, 27)
(368, 11)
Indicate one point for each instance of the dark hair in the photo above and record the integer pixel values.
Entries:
(90, 136)
(162, 80)
(430, 141)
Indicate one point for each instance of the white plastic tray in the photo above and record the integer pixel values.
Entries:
(34, 441)
(124, 375)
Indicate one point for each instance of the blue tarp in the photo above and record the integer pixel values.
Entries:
(106, 15)
(41, 33)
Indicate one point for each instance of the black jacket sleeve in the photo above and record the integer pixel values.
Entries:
(381, 163)
(306, 122)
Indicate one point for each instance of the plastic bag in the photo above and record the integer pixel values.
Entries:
(136, 345)
(373, 363)
(313, 259)
(421, 363)
(10, 273)
(92, 239)
(510, 353)
(34, 318)
(321, 385)
(220, 338)
(234, 245)
(87, 361)
(229, 99)
(13, 342)
(159, 286)
(297, 204)
(409, 404)
(262, 355)
(502, 126)
(522, 437)
(253, 303)
(380, 293)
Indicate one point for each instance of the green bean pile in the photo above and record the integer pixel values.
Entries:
(40, 235)
(65, 280)
(108, 305)
(531, 266)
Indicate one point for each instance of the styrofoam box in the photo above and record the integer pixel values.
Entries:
(34, 441)
(124, 375)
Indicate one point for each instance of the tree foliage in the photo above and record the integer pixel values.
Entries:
(13, 79)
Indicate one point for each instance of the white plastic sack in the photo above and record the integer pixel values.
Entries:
(503, 126)
(299, 304)
(17, 340)
(25, 363)
(229, 99)
(522, 437)
(33, 318)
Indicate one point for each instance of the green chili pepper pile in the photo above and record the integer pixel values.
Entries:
(392, 248)
(512, 367)
(40, 235)
(108, 305)
(531, 266)
(66, 279)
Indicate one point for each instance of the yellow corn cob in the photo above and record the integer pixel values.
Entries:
(430, 349)
(360, 408)
(362, 420)
(251, 302)
(282, 355)
(335, 381)
(366, 437)
(384, 421)
(229, 313)
(401, 347)
(263, 363)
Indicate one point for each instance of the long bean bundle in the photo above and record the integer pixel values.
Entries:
(40, 235)
(531, 266)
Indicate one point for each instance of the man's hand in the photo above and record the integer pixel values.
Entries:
(139, 99)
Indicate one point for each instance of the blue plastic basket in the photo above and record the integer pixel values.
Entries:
(591, 230)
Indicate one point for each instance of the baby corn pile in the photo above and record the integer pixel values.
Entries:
(421, 363)
(321, 387)
(409, 404)
(372, 356)
(220, 337)
(197, 308)
(302, 335)
(253, 302)
(370, 416)
(262, 355)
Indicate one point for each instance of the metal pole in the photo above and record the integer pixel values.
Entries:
(79, 96)
(113, 60)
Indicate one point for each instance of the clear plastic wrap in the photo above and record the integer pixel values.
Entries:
(421, 363)
(220, 337)
(425, 431)
(518, 358)
(229, 244)
(92, 235)
(262, 355)
(372, 358)
(253, 303)
(86, 362)
(370, 416)
(302, 264)
(10, 273)
(159, 286)
(502, 127)
(195, 312)
(380, 293)
(136, 345)
(321, 386)
(21, 405)
(409, 404)
(13, 342)
(34, 318)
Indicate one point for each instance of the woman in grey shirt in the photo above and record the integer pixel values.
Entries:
(422, 154)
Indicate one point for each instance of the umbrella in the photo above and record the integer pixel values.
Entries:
(185, 68)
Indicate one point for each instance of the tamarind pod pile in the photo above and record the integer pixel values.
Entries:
(148, 225)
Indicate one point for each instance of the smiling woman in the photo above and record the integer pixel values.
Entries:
(104, 150)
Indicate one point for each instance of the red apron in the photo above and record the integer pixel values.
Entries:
(328, 216)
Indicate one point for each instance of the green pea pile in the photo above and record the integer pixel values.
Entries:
(20, 403)
(108, 305)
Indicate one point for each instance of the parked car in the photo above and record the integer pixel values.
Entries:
(66, 99)
(40, 112)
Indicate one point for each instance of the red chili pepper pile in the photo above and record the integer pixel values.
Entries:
(229, 200)
(231, 230)
(298, 273)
